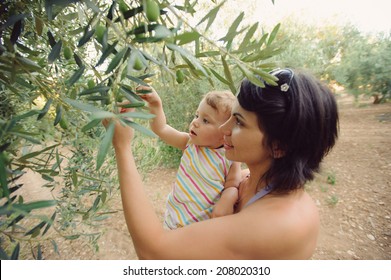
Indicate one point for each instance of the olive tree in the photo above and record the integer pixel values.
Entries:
(66, 65)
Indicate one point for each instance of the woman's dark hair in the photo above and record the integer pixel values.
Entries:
(300, 117)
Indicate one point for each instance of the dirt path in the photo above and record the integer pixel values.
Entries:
(353, 194)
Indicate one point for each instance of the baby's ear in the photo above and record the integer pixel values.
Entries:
(278, 151)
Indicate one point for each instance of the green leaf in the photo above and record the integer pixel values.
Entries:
(72, 237)
(98, 88)
(137, 80)
(98, 98)
(188, 56)
(3, 176)
(187, 37)
(96, 203)
(55, 52)
(16, 31)
(78, 60)
(90, 125)
(86, 37)
(273, 34)
(109, 50)
(116, 60)
(24, 83)
(250, 76)
(25, 136)
(132, 105)
(100, 115)
(81, 106)
(228, 75)
(27, 63)
(249, 35)
(262, 55)
(232, 30)
(270, 79)
(58, 114)
(137, 115)
(105, 144)
(39, 252)
(208, 54)
(36, 228)
(219, 77)
(26, 115)
(76, 76)
(130, 95)
(27, 207)
(74, 178)
(139, 127)
(15, 252)
(131, 13)
(3, 254)
(55, 247)
(211, 16)
(51, 39)
(36, 153)
(49, 224)
(12, 20)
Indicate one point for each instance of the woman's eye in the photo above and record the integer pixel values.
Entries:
(238, 122)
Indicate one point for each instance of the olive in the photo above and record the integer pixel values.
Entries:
(152, 10)
(179, 76)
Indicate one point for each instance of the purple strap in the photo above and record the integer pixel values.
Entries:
(259, 195)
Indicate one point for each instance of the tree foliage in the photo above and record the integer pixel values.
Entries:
(66, 65)
(359, 62)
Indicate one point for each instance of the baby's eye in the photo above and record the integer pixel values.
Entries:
(196, 116)
(205, 121)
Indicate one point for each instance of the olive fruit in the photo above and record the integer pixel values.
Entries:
(67, 53)
(147, 80)
(63, 123)
(138, 64)
(91, 83)
(100, 32)
(179, 76)
(122, 6)
(152, 10)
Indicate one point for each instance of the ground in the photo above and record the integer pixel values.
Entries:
(352, 193)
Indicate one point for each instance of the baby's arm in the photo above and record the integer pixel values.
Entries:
(159, 125)
(225, 205)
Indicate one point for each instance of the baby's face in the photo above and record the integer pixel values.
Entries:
(204, 129)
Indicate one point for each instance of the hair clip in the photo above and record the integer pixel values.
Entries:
(284, 87)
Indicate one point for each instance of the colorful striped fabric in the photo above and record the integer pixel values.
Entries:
(199, 182)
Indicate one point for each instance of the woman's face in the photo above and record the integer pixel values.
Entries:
(243, 139)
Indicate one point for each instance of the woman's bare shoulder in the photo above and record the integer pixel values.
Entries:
(283, 226)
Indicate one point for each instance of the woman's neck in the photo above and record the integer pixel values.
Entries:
(255, 178)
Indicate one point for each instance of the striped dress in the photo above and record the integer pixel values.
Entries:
(198, 185)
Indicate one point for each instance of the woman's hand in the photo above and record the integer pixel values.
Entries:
(123, 134)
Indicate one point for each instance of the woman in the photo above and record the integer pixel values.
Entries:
(281, 133)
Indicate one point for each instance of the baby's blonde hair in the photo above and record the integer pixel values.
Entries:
(222, 101)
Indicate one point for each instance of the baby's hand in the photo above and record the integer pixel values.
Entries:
(148, 94)
(222, 208)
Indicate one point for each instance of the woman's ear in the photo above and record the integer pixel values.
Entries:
(277, 151)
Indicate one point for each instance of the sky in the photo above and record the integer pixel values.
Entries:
(367, 15)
